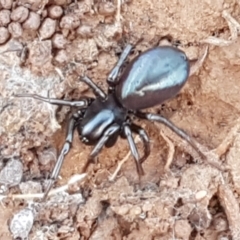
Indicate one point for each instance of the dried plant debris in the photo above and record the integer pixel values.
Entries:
(33, 190)
(62, 199)
(47, 156)
(30, 187)
(21, 116)
(231, 207)
(60, 207)
(233, 160)
(234, 27)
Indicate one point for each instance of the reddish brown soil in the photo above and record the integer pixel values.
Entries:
(189, 200)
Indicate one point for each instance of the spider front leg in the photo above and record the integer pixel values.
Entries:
(80, 103)
(65, 149)
(169, 124)
(113, 129)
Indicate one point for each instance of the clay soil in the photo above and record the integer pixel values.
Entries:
(181, 195)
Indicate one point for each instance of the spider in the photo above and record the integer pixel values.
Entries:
(151, 78)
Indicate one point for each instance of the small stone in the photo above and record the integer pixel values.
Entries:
(47, 28)
(15, 29)
(33, 21)
(11, 174)
(55, 11)
(19, 14)
(22, 223)
(4, 18)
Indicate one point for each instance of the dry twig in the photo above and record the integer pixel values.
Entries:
(170, 152)
(72, 180)
(234, 27)
(224, 146)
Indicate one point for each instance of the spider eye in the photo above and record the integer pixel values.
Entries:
(84, 139)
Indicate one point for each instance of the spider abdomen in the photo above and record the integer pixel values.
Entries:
(152, 77)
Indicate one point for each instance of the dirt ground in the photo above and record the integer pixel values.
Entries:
(45, 46)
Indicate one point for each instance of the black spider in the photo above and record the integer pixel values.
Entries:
(154, 76)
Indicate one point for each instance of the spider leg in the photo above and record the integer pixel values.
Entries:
(96, 150)
(145, 139)
(112, 77)
(80, 103)
(169, 124)
(96, 90)
(65, 149)
(133, 148)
